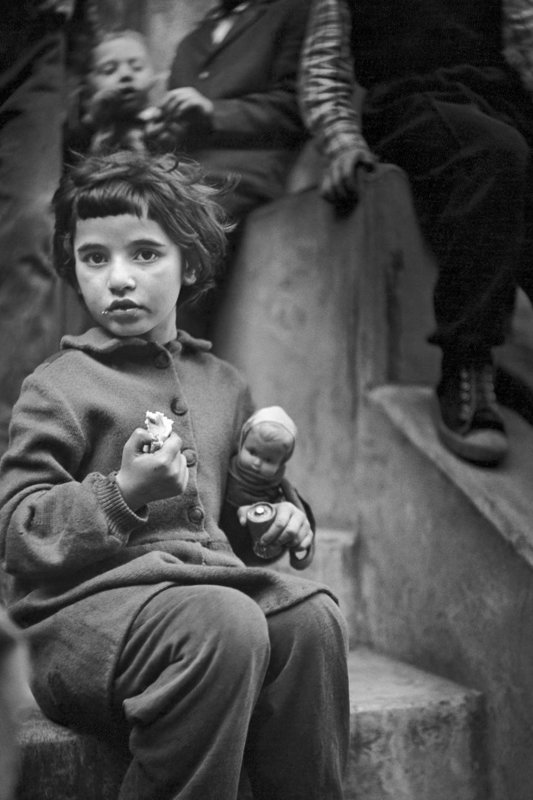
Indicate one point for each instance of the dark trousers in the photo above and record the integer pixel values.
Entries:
(208, 685)
(463, 137)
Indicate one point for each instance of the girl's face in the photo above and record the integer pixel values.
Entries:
(130, 275)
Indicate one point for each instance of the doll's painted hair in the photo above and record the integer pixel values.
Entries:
(165, 189)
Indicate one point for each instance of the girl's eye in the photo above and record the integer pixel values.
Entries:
(95, 259)
(146, 256)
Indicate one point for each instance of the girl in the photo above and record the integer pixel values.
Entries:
(145, 616)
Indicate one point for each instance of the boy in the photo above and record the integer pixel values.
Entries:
(118, 111)
(144, 622)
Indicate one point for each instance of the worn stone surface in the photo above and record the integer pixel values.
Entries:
(445, 574)
(312, 316)
(57, 764)
(414, 736)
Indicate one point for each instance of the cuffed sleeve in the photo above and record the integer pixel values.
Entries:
(122, 520)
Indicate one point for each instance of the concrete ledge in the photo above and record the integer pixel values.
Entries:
(445, 579)
(503, 495)
(414, 736)
(57, 764)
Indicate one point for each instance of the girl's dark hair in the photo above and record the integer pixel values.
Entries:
(165, 189)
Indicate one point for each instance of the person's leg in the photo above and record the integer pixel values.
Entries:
(188, 679)
(525, 266)
(468, 175)
(299, 734)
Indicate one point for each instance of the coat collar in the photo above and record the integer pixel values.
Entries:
(244, 18)
(97, 341)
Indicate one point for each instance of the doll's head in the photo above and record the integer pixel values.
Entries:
(155, 189)
(267, 442)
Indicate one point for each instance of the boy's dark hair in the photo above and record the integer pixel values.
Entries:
(165, 189)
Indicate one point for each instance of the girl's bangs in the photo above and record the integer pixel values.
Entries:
(101, 202)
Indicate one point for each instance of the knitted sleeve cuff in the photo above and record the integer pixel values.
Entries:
(121, 519)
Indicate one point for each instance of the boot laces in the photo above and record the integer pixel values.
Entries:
(476, 390)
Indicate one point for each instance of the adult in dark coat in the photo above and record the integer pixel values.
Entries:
(233, 86)
(233, 89)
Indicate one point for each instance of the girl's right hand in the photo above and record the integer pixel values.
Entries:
(144, 477)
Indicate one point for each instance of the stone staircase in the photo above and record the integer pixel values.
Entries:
(413, 737)
(332, 315)
(446, 579)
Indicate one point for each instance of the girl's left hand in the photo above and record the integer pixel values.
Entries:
(290, 529)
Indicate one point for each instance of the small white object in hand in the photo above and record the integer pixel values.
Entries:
(160, 428)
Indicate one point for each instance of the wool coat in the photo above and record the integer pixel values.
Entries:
(251, 78)
(83, 563)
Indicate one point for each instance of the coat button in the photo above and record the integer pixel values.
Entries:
(204, 74)
(161, 361)
(190, 457)
(196, 514)
(178, 407)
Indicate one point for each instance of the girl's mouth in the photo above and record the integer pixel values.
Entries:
(121, 307)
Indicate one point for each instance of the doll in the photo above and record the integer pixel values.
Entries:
(256, 472)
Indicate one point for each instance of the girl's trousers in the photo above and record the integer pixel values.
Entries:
(209, 686)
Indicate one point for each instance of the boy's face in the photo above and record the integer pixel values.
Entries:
(122, 66)
(130, 275)
(261, 457)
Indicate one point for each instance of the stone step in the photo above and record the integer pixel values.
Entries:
(445, 566)
(413, 737)
(57, 764)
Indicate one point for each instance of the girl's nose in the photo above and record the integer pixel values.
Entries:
(120, 277)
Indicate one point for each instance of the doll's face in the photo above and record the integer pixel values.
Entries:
(130, 275)
(122, 65)
(263, 458)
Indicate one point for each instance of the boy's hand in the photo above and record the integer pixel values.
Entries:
(144, 477)
(102, 107)
(187, 102)
(290, 528)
